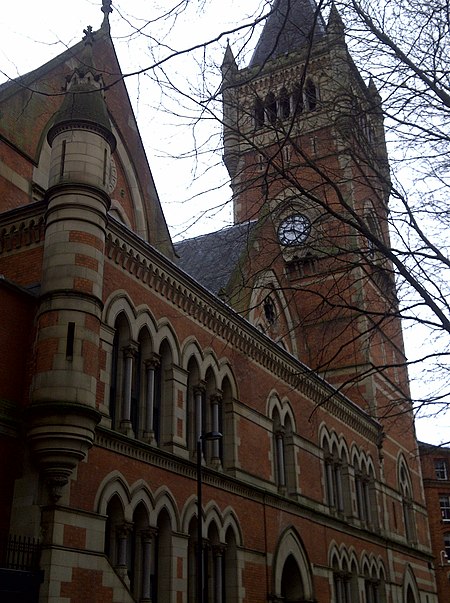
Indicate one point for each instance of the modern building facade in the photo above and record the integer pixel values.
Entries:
(436, 478)
(120, 350)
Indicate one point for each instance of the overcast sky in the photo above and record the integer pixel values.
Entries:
(35, 31)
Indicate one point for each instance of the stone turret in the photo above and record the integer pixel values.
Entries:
(63, 412)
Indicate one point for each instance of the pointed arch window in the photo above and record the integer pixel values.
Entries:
(271, 108)
(285, 104)
(279, 451)
(297, 99)
(407, 503)
(310, 95)
(259, 113)
(333, 480)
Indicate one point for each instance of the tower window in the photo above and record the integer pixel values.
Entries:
(269, 310)
(310, 96)
(285, 108)
(297, 99)
(259, 113)
(271, 108)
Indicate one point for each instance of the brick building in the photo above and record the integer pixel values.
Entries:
(435, 462)
(127, 350)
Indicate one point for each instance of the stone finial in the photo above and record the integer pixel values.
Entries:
(106, 10)
(88, 36)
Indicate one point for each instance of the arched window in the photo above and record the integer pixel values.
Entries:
(214, 568)
(371, 589)
(345, 584)
(259, 113)
(297, 99)
(227, 452)
(291, 582)
(362, 496)
(289, 456)
(285, 106)
(194, 400)
(271, 108)
(161, 578)
(163, 410)
(279, 450)
(117, 539)
(270, 312)
(407, 505)
(124, 389)
(231, 569)
(192, 562)
(310, 95)
(333, 479)
(142, 554)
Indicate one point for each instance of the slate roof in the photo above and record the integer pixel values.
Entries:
(211, 259)
(288, 29)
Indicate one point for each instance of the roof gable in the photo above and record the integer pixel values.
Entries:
(29, 103)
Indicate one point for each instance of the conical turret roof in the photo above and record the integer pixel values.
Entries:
(290, 27)
(84, 100)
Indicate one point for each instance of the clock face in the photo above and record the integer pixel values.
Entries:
(294, 230)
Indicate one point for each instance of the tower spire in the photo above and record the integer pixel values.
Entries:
(290, 26)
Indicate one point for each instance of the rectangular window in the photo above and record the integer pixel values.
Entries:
(440, 469)
(444, 502)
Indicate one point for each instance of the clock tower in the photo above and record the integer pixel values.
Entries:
(305, 150)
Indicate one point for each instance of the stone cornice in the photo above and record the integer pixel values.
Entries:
(159, 274)
(22, 227)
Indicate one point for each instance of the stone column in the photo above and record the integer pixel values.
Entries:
(123, 533)
(129, 353)
(367, 501)
(150, 367)
(330, 482)
(199, 394)
(338, 483)
(279, 437)
(218, 552)
(216, 401)
(147, 536)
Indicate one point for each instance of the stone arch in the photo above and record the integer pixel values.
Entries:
(210, 363)
(281, 329)
(164, 499)
(230, 522)
(112, 484)
(190, 348)
(166, 332)
(116, 303)
(140, 493)
(133, 185)
(212, 516)
(226, 372)
(188, 513)
(145, 319)
(291, 551)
